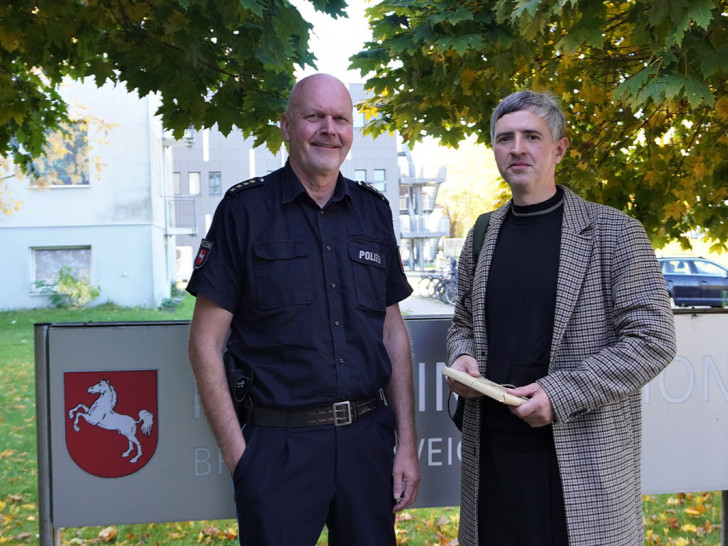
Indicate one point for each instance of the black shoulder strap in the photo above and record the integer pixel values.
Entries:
(479, 229)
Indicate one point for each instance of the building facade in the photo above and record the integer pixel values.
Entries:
(109, 223)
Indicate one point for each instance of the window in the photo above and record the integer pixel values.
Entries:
(215, 181)
(380, 180)
(709, 268)
(66, 159)
(176, 184)
(47, 263)
(184, 261)
(360, 175)
(194, 183)
(357, 118)
(673, 267)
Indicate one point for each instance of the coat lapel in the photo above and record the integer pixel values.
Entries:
(576, 252)
(480, 281)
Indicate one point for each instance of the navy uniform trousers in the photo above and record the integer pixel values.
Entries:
(291, 481)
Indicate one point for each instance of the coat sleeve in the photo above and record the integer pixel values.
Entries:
(614, 345)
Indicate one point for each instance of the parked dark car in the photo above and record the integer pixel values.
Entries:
(695, 281)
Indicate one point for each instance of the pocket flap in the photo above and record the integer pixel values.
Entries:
(367, 254)
(280, 250)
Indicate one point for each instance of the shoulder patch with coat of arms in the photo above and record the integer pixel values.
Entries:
(203, 253)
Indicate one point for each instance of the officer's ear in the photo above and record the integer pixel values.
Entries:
(285, 126)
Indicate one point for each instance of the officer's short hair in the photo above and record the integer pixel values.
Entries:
(543, 105)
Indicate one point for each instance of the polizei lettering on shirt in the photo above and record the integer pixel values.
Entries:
(370, 256)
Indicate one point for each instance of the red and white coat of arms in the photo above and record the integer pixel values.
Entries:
(111, 420)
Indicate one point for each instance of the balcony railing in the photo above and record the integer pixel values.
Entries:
(181, 215)
(418, 228)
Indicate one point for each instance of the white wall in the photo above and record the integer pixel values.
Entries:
(120, 214)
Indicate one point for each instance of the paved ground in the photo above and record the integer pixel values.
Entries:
(418, 305)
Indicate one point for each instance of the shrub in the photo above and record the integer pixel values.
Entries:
(68, 291)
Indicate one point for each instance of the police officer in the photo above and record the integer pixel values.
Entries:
(301, 267)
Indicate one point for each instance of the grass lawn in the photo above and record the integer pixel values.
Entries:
(678, 519)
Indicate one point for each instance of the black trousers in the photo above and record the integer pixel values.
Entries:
(291, 482)
(520, 496)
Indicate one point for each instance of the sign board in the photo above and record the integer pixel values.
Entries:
(126, 464)
(184, 466)
(685, 411)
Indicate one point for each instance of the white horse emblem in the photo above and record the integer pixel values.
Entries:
(102, 414)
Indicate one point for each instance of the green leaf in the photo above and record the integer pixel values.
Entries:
(666, 11)
(693, 89)
(630, 90)
(702, 12)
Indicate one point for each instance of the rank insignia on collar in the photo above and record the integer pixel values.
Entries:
(242, 185)
(368, 186)
(203, 253)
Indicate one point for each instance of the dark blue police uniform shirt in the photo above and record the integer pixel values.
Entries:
(308, 287)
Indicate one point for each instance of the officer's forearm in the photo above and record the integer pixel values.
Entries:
(208, 332)
(400, 390)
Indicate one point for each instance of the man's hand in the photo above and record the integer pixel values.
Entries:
(469, 365)
(537, 412)
(400, 397)
(406, 473)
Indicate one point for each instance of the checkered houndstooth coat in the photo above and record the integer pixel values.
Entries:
(613, 332)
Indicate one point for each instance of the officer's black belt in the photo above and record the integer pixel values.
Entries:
(338, 414)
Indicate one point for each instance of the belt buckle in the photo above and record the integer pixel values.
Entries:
(347, 418)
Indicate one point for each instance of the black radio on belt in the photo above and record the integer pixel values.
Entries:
(239, 382)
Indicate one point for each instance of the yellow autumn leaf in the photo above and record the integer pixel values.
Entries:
(651, 177)
(690, 511)
(721, 108)
(467, 75)
(674, 211)
(8, 40)
(108, 534)
(3, 504)
(699, 169)
(688, 528)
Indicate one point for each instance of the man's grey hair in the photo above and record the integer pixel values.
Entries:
(543, 105)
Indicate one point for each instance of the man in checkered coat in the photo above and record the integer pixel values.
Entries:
(568, 304)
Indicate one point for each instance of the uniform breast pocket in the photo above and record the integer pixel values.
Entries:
(370, 278)
(282, 274)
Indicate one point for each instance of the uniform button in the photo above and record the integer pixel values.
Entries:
(336, 322)
(333, 285)
(328, 247)
(341, 361)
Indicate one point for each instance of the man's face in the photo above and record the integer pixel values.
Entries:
(318, 127)
(526, 155)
